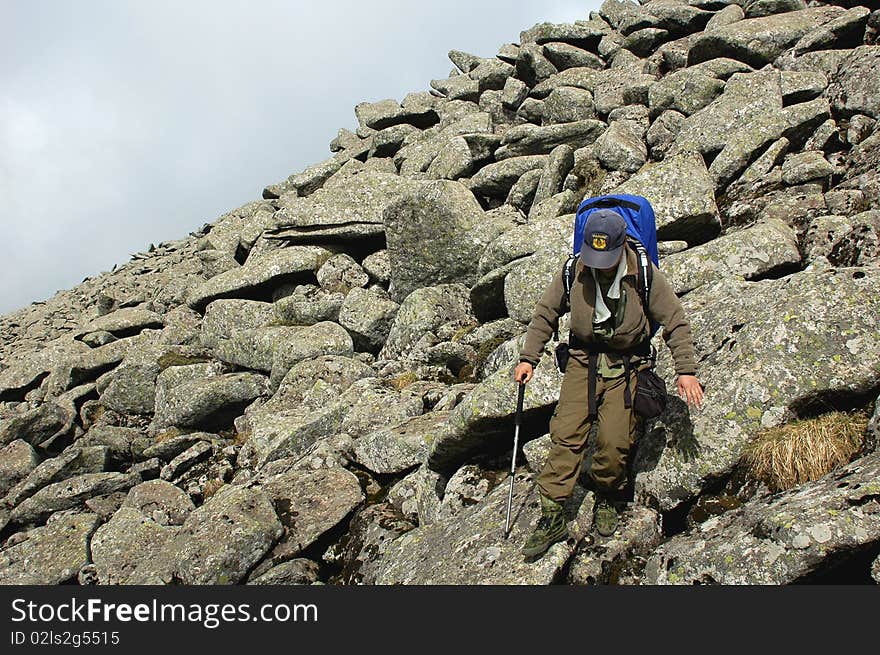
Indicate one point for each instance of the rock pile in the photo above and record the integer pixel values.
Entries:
(317, 385)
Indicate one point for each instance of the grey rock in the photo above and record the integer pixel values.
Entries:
(846, 31)
(214, 262)
(515, 91)
(564, 55)
(310, 503)
(388, 141)
(26, 370)
(50, 555)
(400, 447)
(17, 460)
(124, 322)
(371, 404)
(621, 147)
(458, 87)
(272, 268)
(681, 193)
(558, 166)
(536, 452)
(425, 310)
(532, 66)
(226, 316)
(522, 193)
(860, 128)
(459, 232)
(371, 531)
(777, 539)
(731, 14)
(308, 305)
(845, 241)
(218, 543)
(531, 111)
(645, 41)
(69, 493)
(454, 160)
(385, 113)
(348, 208)
(208, 403)
(612, 560)
(196, 453)
(378, 266)
(583, 34)
(160, 501)
(805, 167)
(492, 74)
(855, 88)
(124, 542)
(124, 445)
(758, 8)
(470, 548)
(293, 572)
(686, 91)
(756, 251)
(568, 104)
(758, 41)
(788, 351)
(620, 86)
(530, 139)
(368, 316)
(171, 447)
(36, 425)
(663, 131)
(800, 86)
(76, 460)
(306, 406)
(467, 486)
(496, 180)
(464, 61)
(341, 273)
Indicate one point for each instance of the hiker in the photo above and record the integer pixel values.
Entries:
(607, 325)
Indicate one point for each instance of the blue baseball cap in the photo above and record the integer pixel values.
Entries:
(604, 238)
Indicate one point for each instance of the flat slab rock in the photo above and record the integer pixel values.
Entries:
(470, 547)
(218, 543)
(781, 538)
(51, 554)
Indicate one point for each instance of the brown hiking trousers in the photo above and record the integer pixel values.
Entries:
(571, 426)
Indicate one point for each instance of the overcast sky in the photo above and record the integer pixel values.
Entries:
(129, 123)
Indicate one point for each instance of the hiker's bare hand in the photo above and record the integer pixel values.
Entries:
(523, 372)
(689, 389)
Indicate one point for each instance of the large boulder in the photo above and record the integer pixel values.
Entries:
(399, 447)
(435, 236)
(208, 403)
(218, 543)
(348, 207)
(757, 251)
(496, 180)
(124, 542)
(470, 547)
(682, 194)
(531, 139)
(758, 41)
(311, 503)
(160, 501)
(17, 460)
(76, 460)
(368, 314)
(226, 316)
(308, 405)
(855, 88)
(425, 310)
(69, 493)
(50, 555)
(258, 276)
(778, 539)
(766, 349)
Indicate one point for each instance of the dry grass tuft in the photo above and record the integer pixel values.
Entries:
(403, 380)
(805, 450)
(211, 487)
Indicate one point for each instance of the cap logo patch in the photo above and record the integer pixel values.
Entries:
(600, 241)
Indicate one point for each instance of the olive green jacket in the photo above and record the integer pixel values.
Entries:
(664, 307)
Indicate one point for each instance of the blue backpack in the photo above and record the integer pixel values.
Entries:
(641, 230)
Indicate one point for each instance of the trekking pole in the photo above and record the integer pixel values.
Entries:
(517, 421)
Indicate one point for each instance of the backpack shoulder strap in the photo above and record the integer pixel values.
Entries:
(645, 273)
(568, 270)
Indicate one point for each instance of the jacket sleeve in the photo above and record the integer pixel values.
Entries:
(666, 309)
(544, 321)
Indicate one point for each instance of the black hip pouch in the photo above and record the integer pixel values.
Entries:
(650, 398)
(560, 356)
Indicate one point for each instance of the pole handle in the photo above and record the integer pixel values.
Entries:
(519, 403)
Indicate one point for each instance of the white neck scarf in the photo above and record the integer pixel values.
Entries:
(602, 312)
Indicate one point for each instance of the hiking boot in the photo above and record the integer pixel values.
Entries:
(550, 528)
(605, 518)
